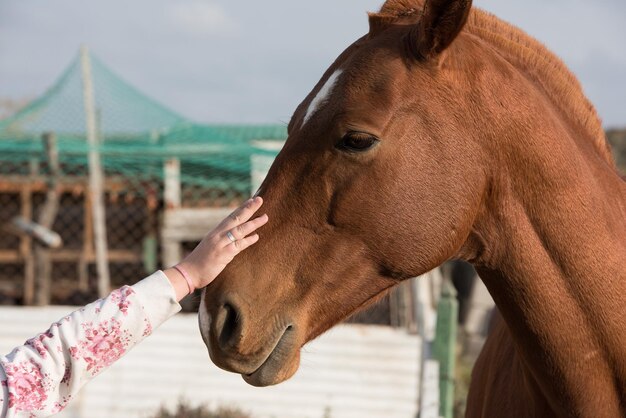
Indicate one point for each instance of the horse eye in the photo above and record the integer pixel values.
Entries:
(357, 142)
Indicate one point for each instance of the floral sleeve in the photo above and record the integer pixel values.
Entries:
(39, 378)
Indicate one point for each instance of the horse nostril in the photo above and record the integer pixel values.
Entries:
(231, 325)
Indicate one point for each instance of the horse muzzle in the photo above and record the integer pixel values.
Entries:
(263, 356)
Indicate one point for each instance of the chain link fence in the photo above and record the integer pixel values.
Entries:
(46, 181)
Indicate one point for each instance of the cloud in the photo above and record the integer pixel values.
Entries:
(202, 18)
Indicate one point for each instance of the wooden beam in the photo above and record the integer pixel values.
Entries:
(10, 257)
(72, 256)
(191, 224)
(115, 256)
(66, 184)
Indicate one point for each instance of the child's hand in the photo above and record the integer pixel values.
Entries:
(218, 248)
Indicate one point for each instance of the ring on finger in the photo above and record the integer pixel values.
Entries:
(230, 236)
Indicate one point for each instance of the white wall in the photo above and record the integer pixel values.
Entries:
(354, 370)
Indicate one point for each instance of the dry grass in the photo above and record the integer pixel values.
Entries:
(183, 410)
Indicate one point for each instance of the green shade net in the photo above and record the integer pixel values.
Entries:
(136, 136)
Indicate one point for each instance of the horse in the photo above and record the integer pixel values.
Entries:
(443, 133)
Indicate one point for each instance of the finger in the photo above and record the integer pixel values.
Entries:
(245, 229)
(244, 212)
(242, 244)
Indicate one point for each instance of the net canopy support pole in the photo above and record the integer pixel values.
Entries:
(96, 177)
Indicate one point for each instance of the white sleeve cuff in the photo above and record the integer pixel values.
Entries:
(158, 298)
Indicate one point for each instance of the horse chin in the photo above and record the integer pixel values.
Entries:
(279, 366)
(273, 372)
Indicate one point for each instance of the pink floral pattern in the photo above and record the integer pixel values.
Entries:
(37, 343)
(103, 344)
(27, 385)
(67, 375)
(60, 405)
(43, 375)
(121, 296)
(148, 329)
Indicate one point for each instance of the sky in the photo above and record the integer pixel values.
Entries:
(245, 61)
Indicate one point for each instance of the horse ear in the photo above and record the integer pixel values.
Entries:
(441, 22)
(379, 22)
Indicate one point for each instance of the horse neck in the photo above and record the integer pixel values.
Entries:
(552, 254)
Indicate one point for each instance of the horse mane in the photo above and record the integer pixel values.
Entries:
(549, 71)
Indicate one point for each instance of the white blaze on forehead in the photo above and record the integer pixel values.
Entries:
(322, 95)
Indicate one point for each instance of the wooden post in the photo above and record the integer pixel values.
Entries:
(86, 253)
(172, 251)
(410, 302)
(402, 306)
(171, 186)
(401, 310)
(96, 178)
(33, 167)
(394, 309)
(26, 246)
(49, 210)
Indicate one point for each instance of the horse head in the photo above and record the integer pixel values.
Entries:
(379, 181)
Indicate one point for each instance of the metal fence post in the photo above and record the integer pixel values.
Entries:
(445, 347)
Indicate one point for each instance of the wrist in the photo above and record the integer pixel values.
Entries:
(193, 273)
(185, 275)
(181, 289)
